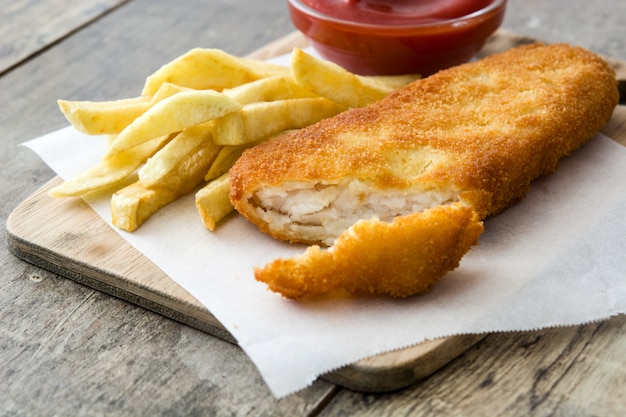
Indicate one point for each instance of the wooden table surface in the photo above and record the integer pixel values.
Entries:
(66, 349)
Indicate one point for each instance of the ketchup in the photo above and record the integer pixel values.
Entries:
(397, 11)
(386, 37)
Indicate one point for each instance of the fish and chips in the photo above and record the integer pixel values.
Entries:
(193, 119)
(388, 179)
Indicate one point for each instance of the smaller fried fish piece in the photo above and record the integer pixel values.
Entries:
(403, 257)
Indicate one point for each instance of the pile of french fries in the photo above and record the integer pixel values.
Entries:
(195, 117)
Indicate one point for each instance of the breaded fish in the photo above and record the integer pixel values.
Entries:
(466, 142)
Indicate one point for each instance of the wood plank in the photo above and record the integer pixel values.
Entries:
(29, 26)
(76, 233)
(69, 350)
(570, 371)
(65, 236)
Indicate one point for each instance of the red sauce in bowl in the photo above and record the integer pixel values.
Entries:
(397, 12)
(397, 36)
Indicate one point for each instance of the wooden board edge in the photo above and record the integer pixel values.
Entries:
(375, 374)
(25, 245)
(29, 253)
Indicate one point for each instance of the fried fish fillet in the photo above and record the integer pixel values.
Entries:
(407, 180)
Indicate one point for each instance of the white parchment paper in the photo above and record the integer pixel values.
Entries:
(556, 258)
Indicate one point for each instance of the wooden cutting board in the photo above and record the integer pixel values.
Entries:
(67, 237)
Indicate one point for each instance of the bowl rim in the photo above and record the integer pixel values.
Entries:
(310, 12)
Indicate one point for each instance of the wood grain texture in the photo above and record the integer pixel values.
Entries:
(551, 372)
(28, 26)
(95, 355)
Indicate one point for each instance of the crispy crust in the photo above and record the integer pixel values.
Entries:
(500, 122)
(486, 129)
(401, 258)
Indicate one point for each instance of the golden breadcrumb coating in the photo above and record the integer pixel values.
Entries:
(375, 257)
(482, 130)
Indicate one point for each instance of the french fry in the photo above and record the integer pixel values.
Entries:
(213, 69)
(189, 170)
(109, 172)
(391, 81)
(167, 90)
(213, 202)
(173, 114)
(111, 117)
(329, 80)
(257, 121)
(184, 146)
(267, 89)
(132, 205)
(194, 119)
(103, 117)
(225, 159)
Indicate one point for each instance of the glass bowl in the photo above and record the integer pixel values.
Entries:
(387, 48)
